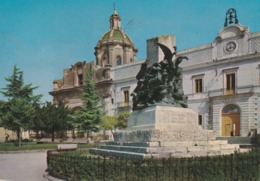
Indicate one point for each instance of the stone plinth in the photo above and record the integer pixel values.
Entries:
(163, 117)
(164, 131)
(163, 123)
(165, 135)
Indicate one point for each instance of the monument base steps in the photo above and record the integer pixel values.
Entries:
(164, 131)
(135, 150)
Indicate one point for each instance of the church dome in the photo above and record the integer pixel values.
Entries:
(116, 35)
(115, 47)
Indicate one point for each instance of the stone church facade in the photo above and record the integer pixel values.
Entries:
(114, 52)
(220, 79)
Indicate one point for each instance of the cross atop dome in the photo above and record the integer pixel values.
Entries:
(115, 20)
(231, 15)
(115, 12)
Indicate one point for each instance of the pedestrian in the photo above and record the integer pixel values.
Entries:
(6, 137)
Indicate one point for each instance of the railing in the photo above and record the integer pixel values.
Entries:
(239, 166)
(230, 92)
(124, 104)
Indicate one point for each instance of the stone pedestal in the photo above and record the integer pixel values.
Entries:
(163, 117)
(164, 131)
(163, 123)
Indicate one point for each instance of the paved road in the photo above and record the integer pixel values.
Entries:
(23, 166)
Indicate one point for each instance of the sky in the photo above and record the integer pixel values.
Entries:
(43, 37)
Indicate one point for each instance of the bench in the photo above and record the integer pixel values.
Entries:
(67, 146)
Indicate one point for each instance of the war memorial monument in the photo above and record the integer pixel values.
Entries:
(161, 125)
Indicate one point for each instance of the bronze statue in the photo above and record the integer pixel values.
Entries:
(161, 83)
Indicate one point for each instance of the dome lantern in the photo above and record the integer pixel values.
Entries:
(113, 44)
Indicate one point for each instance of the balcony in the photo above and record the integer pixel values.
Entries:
(123, 104)
(229, 92)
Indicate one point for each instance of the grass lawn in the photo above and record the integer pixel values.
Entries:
(35, 146)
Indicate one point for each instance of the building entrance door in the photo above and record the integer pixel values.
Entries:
(230, 121)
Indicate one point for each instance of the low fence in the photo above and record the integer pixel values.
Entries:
(235, 167)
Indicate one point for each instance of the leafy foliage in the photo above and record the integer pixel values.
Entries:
(239, 166)
(1, 112)
(18, 112)
(122, 120)
(113, 122)
(38, 121)
(88, 118)
(55, 118)
(108, 123)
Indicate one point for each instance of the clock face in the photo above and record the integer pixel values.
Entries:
(231, 46)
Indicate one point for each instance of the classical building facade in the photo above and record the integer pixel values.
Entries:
(115, 53)
(220, 79)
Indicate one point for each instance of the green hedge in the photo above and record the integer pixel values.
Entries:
(239, 167)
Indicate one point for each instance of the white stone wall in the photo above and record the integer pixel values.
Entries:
(211, 63)
(257, 113)
(124, 78)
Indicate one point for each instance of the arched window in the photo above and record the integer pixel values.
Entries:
(131, 60)
(105, 60)
(230, 109)
(118, 60)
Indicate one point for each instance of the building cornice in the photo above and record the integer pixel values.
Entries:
(247, 57)
(65, 90)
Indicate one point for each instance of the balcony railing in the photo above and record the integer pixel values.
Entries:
(124, 104)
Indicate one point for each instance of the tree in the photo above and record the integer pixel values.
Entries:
(108, 123)
(88, 118)
(121, 120)
(1, 111)
(19, 109)
(55, 118)
(113, 122)
(37, 123)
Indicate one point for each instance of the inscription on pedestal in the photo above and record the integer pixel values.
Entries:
(162, 117)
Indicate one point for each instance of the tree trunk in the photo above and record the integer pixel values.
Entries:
(112, 134)
(88, 138)
(52, 136)
(73, 134)
(20, 137)
(37, 134)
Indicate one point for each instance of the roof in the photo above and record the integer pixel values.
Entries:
(117, 35)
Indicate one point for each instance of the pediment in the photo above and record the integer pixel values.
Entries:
(232, 31)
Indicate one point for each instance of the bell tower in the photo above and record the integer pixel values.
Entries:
(231, 17)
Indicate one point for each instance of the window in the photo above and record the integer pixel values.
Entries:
(198, 85)
(126, 97)
(200, 120)
(112, 101)
(105, 60)
(118, 60)
(80, 79)
(229, 109)
(80, 76)
(230, 83)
